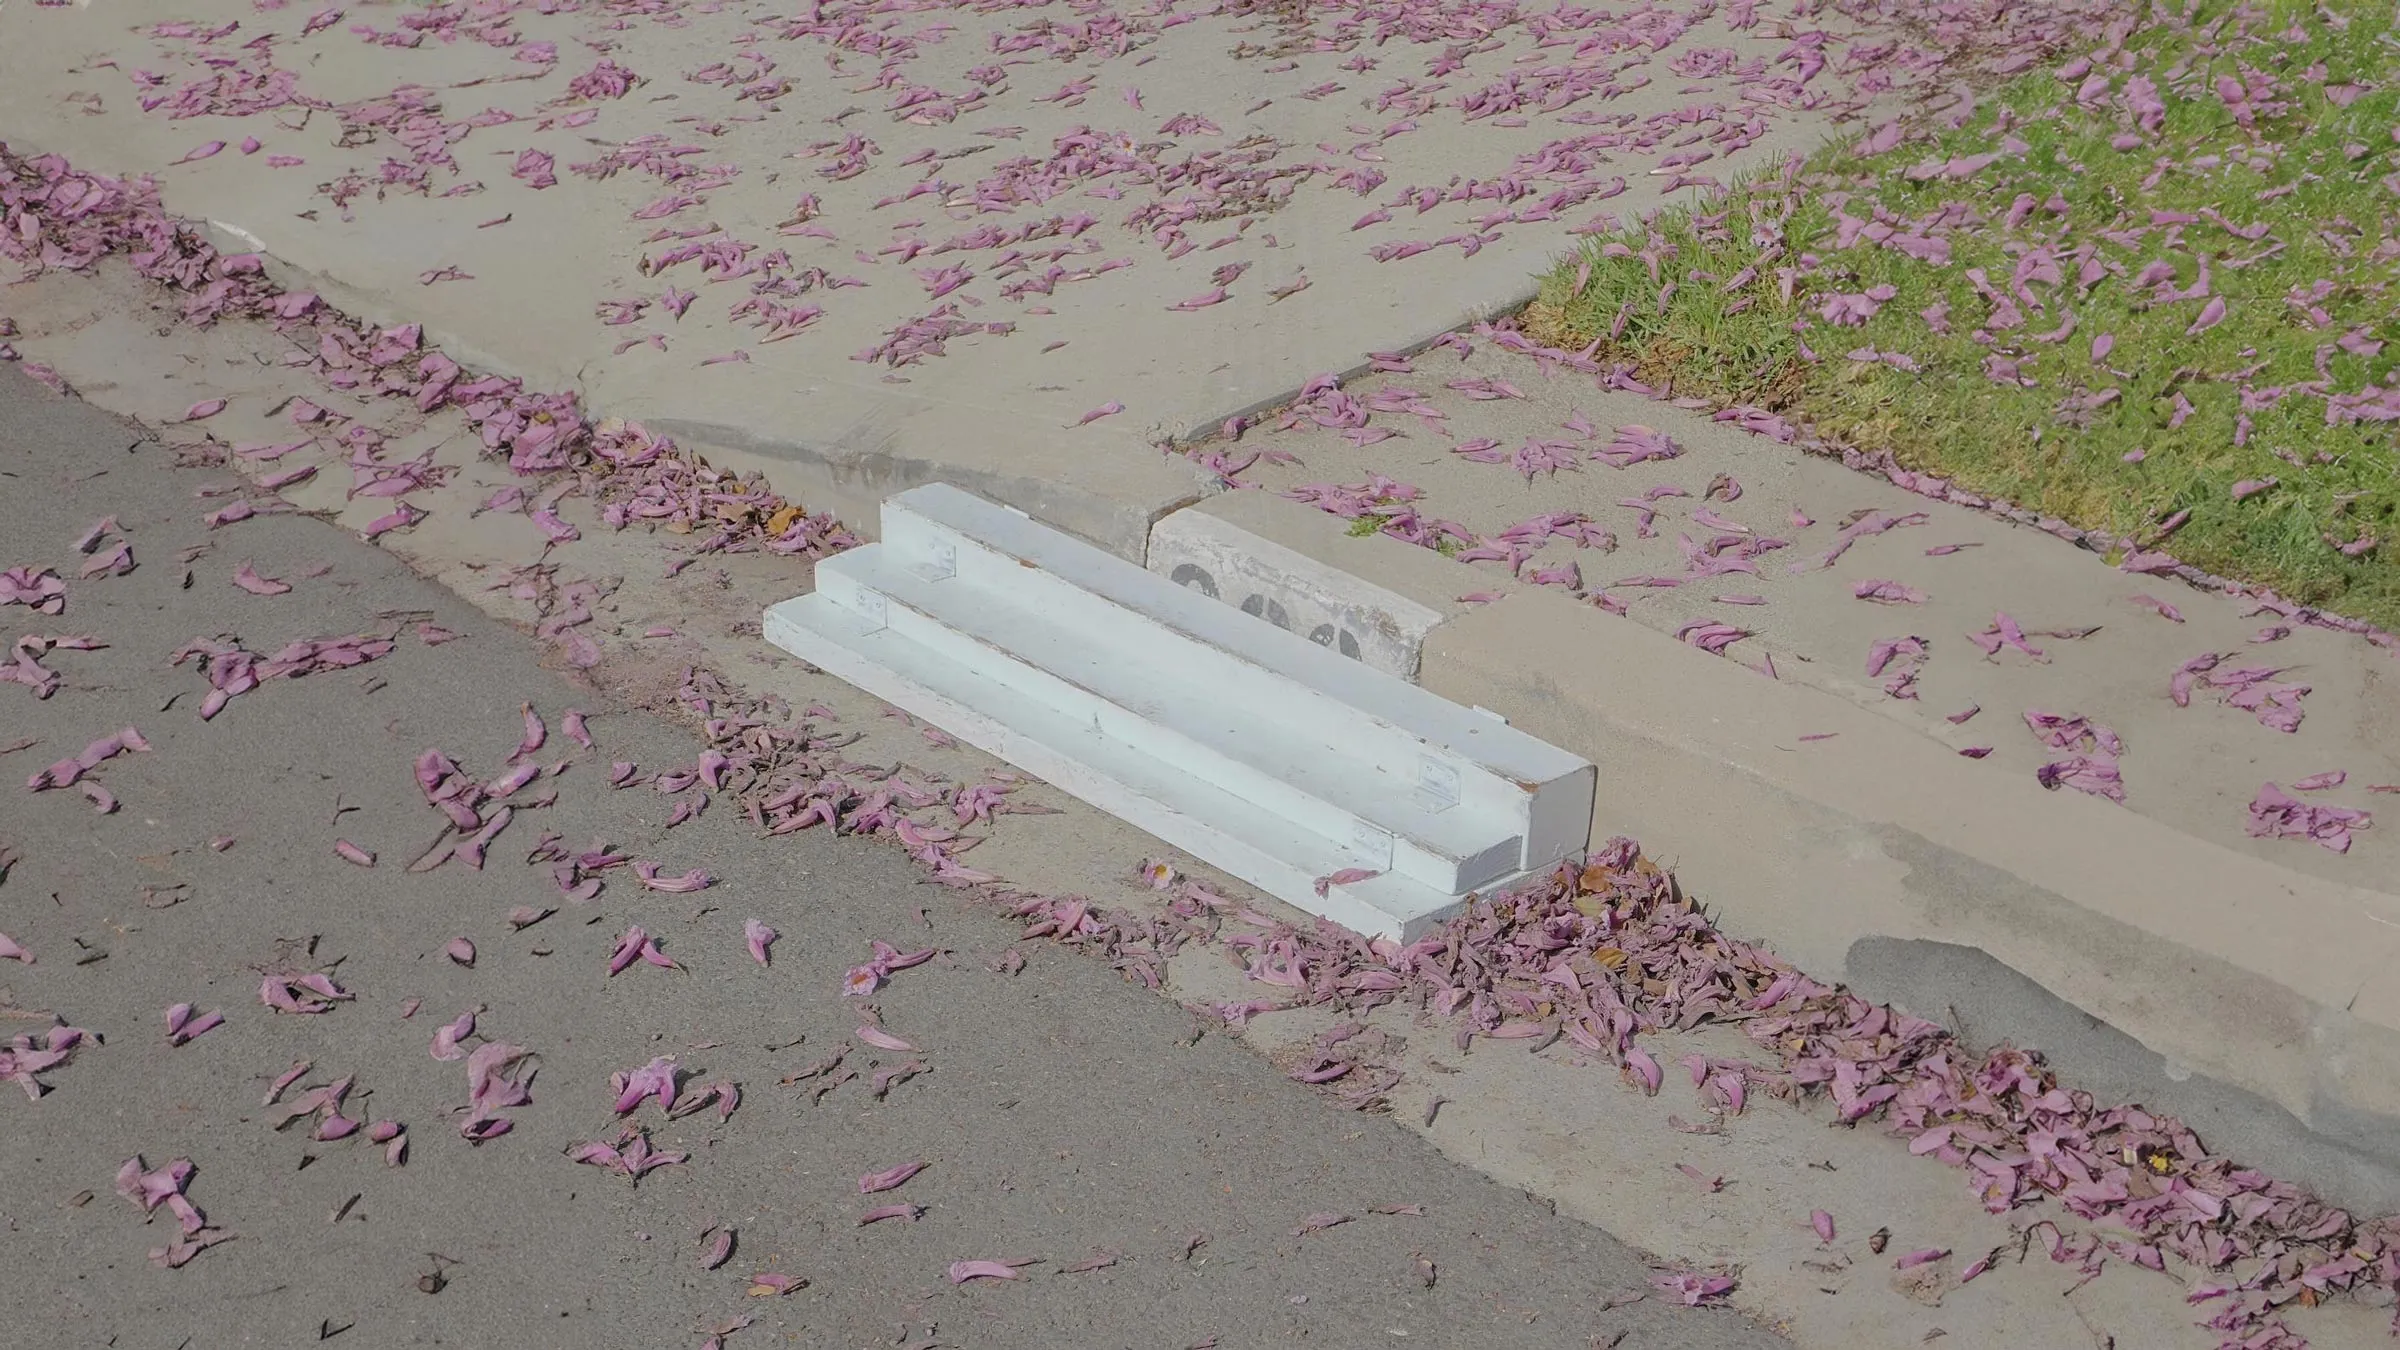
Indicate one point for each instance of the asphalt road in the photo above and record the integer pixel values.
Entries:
(1064, 1114)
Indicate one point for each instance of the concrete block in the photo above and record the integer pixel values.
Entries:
(1283, 561)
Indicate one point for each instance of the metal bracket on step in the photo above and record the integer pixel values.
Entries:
(1437, 785)
(941, 561)
(1372, 845)
(872, 607)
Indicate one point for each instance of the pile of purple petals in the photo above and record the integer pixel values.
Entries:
(59, 218)
(1601, 956)
(233, 670)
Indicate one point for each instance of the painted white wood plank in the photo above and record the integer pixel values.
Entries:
(1251, 748)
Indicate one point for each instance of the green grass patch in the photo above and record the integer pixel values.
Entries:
(2285, 194)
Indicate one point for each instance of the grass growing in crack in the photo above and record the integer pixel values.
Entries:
(2265, 165)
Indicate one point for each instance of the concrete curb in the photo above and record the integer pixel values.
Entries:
(1207, 429)
(2149, 965)
(1111, 498)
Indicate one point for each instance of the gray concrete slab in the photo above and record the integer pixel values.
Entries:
(1065, 1114)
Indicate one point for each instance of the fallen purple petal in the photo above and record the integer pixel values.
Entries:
(888, 1179)
(882, 1040)
(1888, 593)
(653, 1081)
(184, 1026)
(758, 937)
(1692, 1288)
(637, 945)
(248, 579)
(2276, 815)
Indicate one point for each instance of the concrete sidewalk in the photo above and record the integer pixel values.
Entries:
(1065, 1114)
(1048, 192)
(2101, 650)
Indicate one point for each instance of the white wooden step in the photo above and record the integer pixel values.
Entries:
(1252, 748)
(1452, 752)
(1132, 693)
(1258, 845)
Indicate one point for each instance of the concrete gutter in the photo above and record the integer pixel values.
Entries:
(862, 443)
(2260, 1004)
